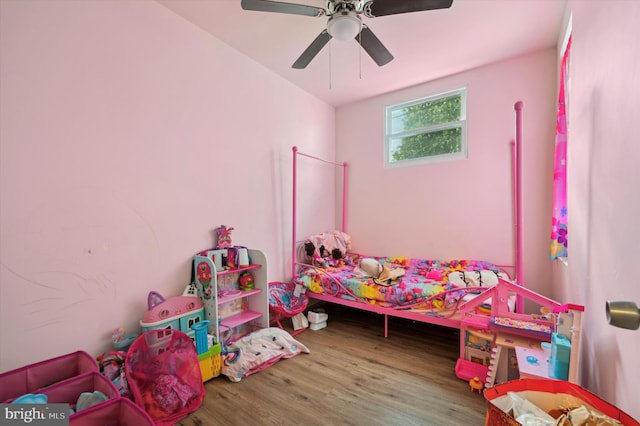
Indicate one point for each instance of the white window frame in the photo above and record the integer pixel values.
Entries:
(462, 123)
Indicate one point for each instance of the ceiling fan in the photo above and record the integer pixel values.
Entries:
(346, 23)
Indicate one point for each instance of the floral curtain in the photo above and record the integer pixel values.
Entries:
(559, 232)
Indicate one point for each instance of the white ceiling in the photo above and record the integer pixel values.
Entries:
(426, 45)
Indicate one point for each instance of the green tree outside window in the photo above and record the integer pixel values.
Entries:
(429, 128)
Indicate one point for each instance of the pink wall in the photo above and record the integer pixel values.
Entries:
(126, 136)
(459, 209)
(604, 201)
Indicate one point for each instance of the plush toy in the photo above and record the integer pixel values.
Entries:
(337, 259)
(381, 274)
(336, 254)
(322, 257)
(371, 267)
(309, 248)
(316, 258)
(478, 278)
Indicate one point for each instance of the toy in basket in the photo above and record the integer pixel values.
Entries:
(208, 354)
(164, 375)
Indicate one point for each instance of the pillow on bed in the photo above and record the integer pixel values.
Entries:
(479, 278)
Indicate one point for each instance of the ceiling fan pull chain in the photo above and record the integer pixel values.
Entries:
(330, 50)
(360, 51)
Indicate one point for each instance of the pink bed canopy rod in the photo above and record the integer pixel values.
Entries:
(517, 203)
(295, 191)
(517, 200)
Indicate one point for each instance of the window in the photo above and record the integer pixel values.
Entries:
(427, 130)
(192, 321)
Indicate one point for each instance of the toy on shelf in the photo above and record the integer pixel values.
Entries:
(246, 281)
(224, 255)
(224, 237)
(242, 255)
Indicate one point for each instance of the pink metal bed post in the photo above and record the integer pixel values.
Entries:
(518, 204)
(295, 187)
(344, 197)
(293, 236)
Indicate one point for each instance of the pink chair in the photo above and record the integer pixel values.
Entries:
(284, 303)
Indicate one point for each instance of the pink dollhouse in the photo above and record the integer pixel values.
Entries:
(174, 313)
(498, 344)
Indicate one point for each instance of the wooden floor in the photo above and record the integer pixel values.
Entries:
(353, 376)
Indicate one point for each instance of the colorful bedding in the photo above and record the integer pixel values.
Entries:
(422, 280)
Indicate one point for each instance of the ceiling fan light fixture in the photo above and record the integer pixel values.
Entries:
(344, 27)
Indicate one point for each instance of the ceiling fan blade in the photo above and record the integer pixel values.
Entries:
(279, 7)
(393, 7)
(373, 46)
(310, 52)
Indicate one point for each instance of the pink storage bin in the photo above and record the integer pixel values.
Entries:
(69, 391)
(30, 378)
(115, 412)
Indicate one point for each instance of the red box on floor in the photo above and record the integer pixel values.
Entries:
(548, 394)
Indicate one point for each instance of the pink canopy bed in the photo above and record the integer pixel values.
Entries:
(460, 293)
(431, 291)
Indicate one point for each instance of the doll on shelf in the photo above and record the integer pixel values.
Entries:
(224, 237)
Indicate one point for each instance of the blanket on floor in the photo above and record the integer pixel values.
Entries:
(259, 350)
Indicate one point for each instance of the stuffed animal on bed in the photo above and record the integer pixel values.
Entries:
(479, 278)
(327, 249)
(337, 259)
(316, 258)
(321, 257)
(381, 274)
